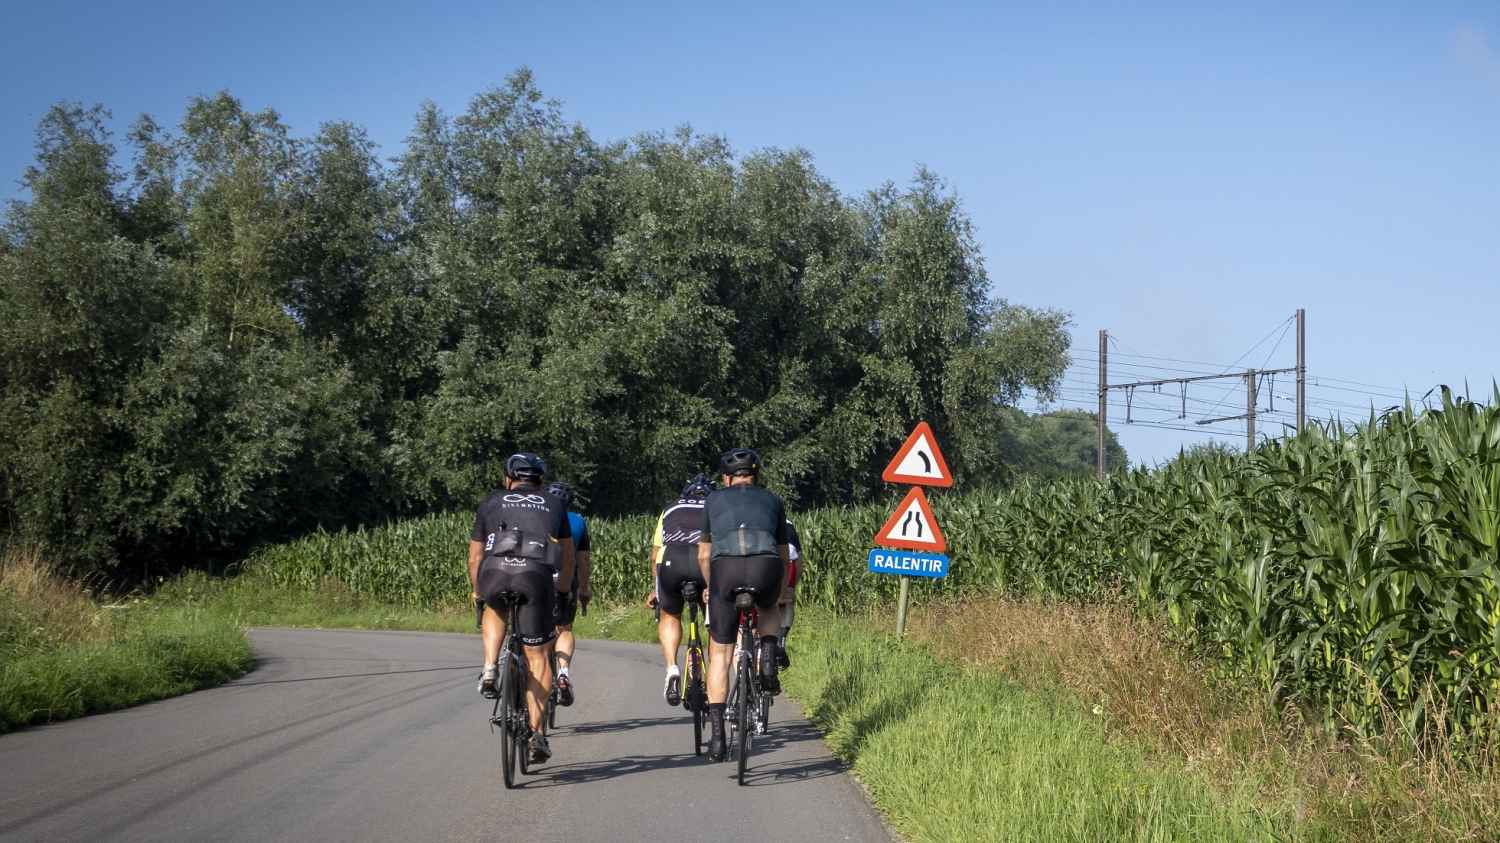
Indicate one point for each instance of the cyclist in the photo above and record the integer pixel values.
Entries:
(674, 561)
(509, 551)
(568, 601)
(743, 543)
(789, 594)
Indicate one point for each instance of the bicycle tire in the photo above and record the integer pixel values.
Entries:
(742, 707)
(693, 698)
(523, 718)
(549, 720)
(507, 724)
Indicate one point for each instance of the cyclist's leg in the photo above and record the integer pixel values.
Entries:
(669, 599)
(722, 620)
(722, 626)
(491, 581)
(567, 610)
(766, 573)
(538, 630)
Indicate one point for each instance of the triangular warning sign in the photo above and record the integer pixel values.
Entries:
(919, 461)
(912, 527)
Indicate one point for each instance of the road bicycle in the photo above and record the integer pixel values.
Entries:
(510, 714)
(695, 690)
(748, 703)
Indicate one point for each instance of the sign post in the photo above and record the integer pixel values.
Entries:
(912, 526)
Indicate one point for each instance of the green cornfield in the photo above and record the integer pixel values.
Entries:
(1353, 571)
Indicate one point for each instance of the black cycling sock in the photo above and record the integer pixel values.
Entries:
(716, 713)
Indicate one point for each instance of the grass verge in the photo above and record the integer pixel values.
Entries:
(63, 656)
(1186, 710)
(956, 753)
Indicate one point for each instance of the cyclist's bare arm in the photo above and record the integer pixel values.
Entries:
(786, 565)
(476, 553)
(705, 552)
(584, 589)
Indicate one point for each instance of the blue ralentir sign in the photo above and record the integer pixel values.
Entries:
(906, 562)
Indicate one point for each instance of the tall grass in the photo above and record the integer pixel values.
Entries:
(1351, 571)
(62, 655)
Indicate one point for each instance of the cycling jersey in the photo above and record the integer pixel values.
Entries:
(518, 528)
(742, 521)
(676, 536)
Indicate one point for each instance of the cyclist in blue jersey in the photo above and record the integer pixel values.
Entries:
(569, 600)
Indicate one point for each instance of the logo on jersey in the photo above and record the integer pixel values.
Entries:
(537, 500)
(682, 537)
(489, 543)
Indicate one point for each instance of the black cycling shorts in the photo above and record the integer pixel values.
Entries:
(670, 575)
(726, 573)
(537, 619)
(567, 606)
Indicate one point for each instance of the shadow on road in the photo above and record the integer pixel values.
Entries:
(604, 727)
(241, 684)
(761, 773)
(585, 772)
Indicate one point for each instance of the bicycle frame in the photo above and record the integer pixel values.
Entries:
(511, 713)
(752, 713)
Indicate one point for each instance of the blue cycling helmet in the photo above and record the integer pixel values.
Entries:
(698, 487)
(562, 492)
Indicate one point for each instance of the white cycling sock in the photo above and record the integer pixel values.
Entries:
(672, 670)
(563, 671)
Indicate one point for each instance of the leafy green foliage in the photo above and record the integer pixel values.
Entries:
(252, 334)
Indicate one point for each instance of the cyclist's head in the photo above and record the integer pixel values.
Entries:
(698, 487)
(562, 492)
(739, 462)
(525, 468)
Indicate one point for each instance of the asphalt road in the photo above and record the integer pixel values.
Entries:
(343, 735)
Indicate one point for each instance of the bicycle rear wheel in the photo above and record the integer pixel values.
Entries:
(742, 710)
(523, 717)
(549, 716)
(694, 697)
(507, 723)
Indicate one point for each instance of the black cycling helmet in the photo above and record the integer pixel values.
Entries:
(738, 461)
(698, 487)
(563, 492)
(525, 466)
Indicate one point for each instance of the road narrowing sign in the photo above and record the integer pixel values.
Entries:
(919, 462)
(884, 561)
(912, 526)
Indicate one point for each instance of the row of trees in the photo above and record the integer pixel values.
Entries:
(244, 333)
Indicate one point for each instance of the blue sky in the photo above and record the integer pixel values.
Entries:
(1185, 178)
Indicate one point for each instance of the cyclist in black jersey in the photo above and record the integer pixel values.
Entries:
(674, 561)
(743, 544)
(509, 550)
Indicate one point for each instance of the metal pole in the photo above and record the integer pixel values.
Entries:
(1249, 411)
(1103, 402)
(1301, 369)
(901, 607)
